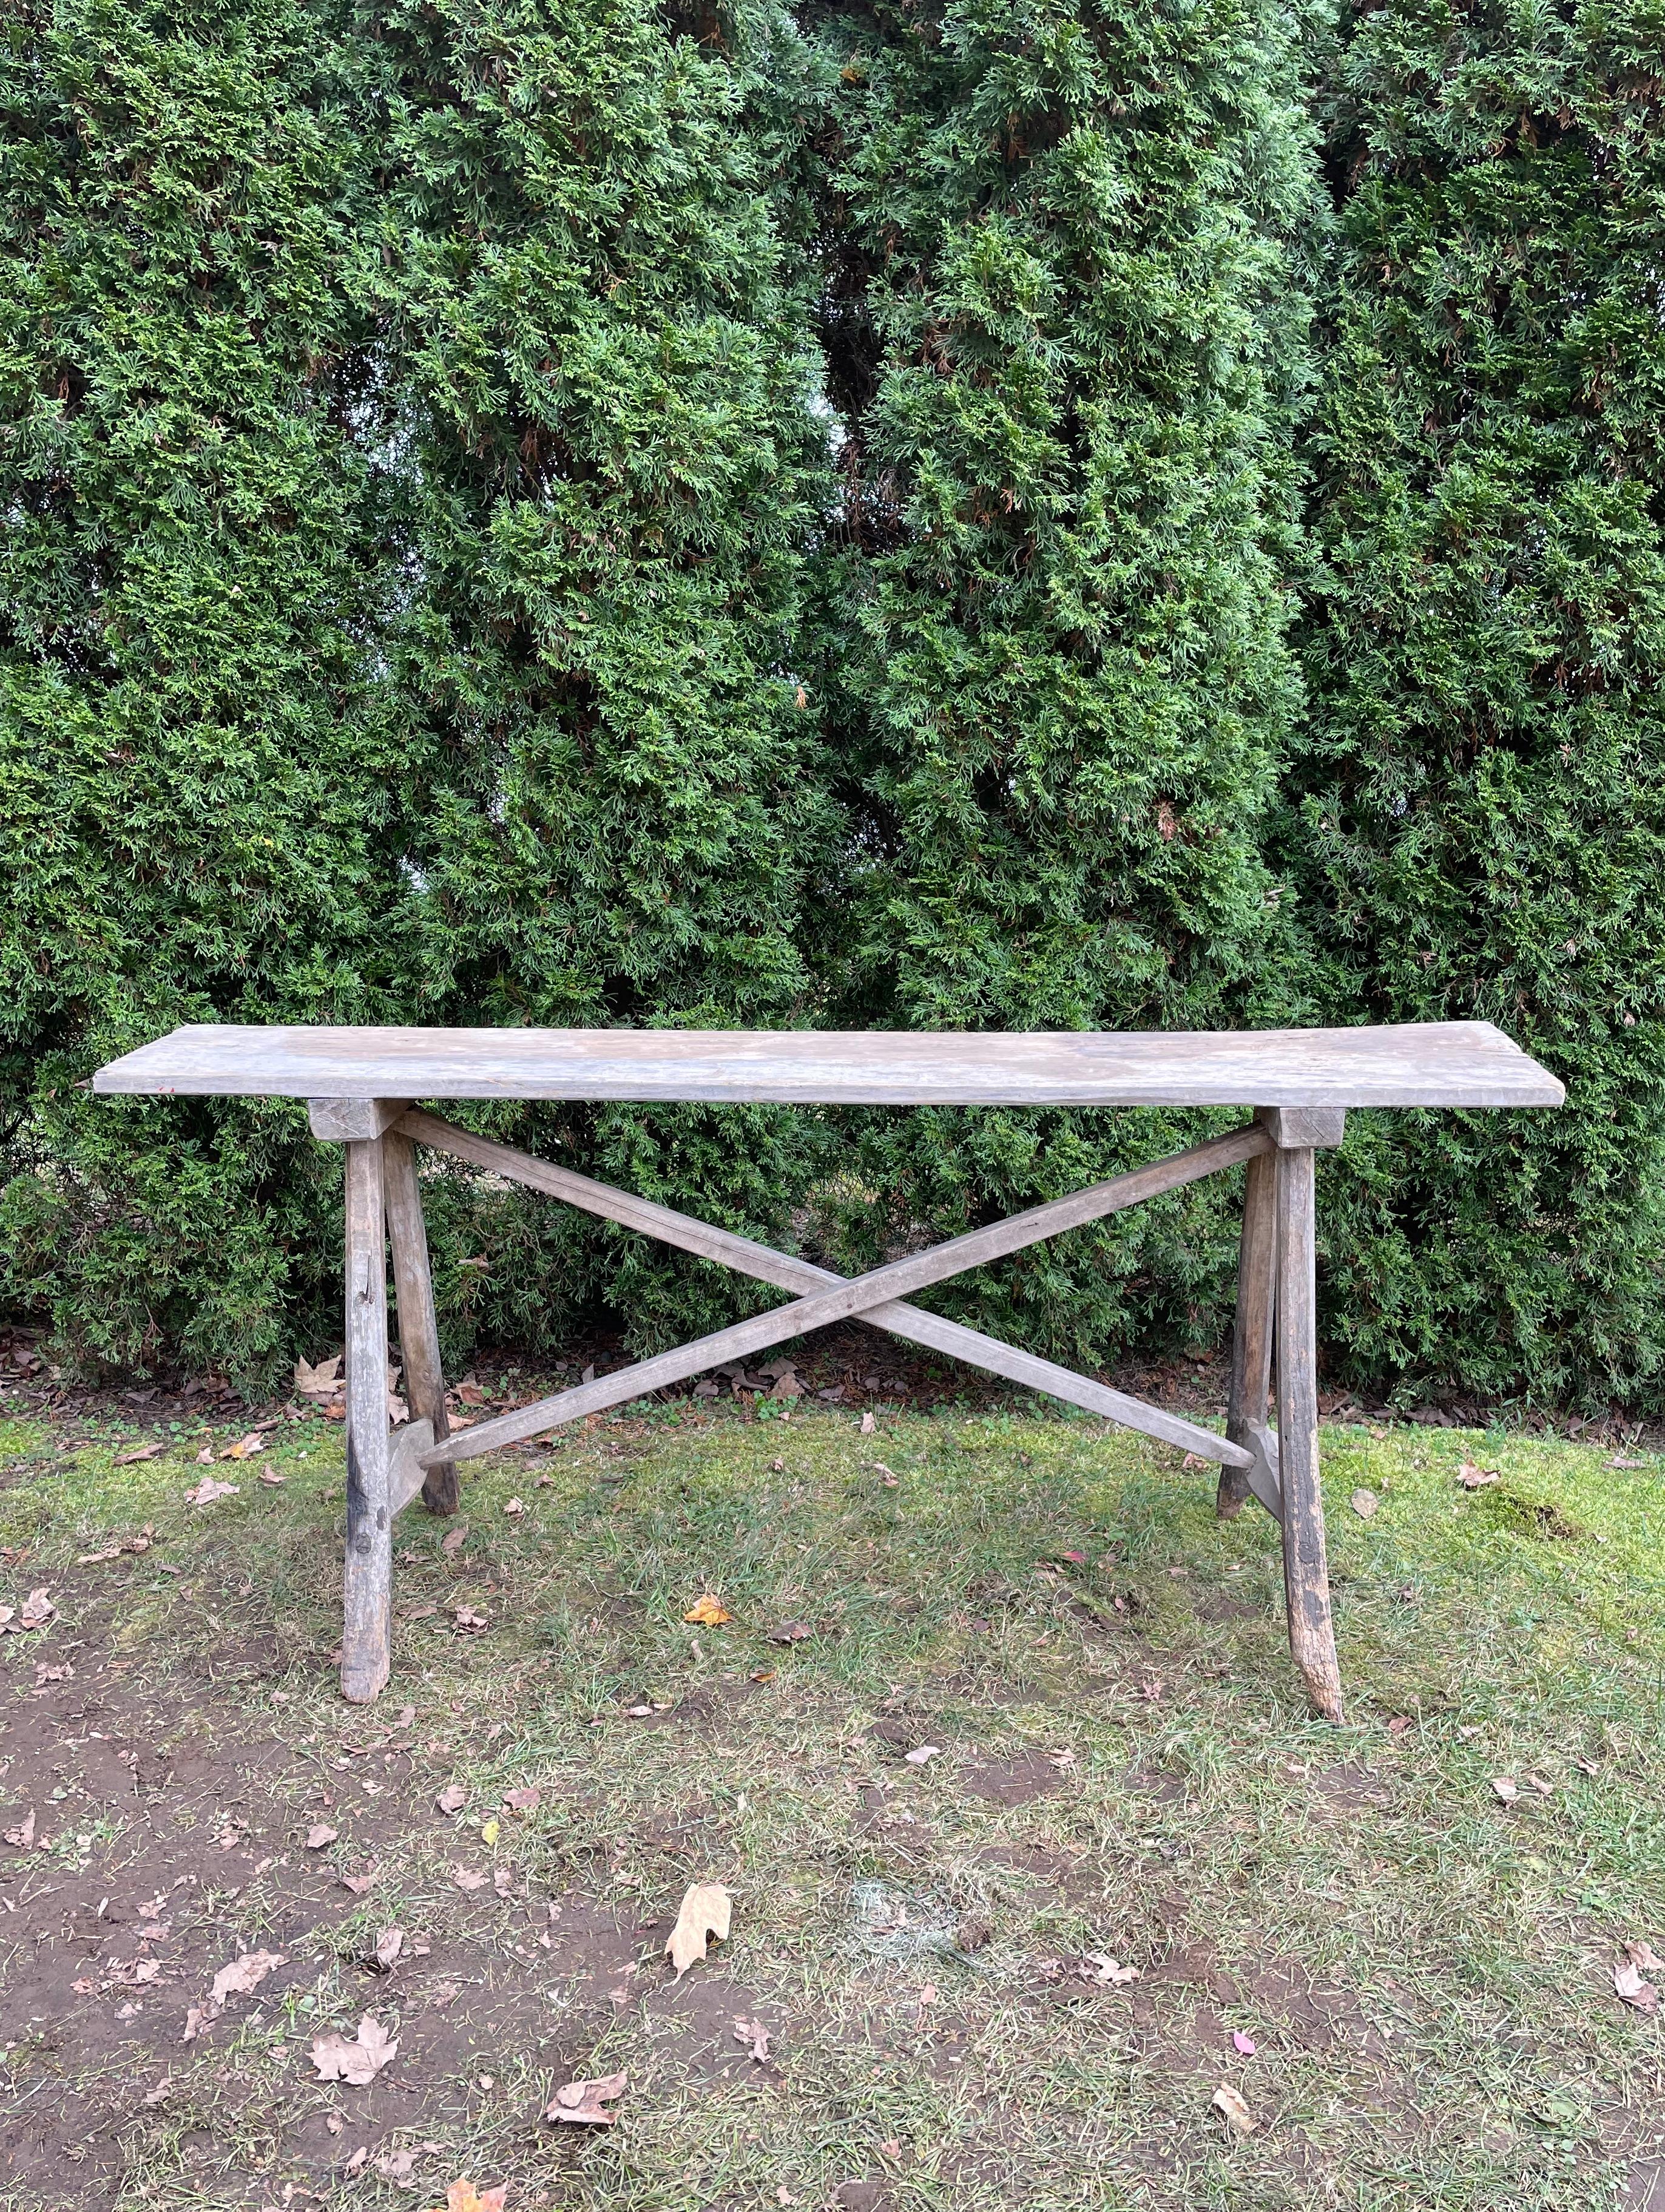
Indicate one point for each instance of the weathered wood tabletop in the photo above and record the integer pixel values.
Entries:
(1426, 1064)
(362, 1086)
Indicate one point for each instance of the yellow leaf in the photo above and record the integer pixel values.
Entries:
(463, 2196)
(490, 1830)
(707, 1612)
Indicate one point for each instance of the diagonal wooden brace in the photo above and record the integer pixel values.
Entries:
(871, 1297)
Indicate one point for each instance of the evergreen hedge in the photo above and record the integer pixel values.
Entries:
(712, 515)
(406, 431)
(1476, 810)
(1062, 329)
(205, 790)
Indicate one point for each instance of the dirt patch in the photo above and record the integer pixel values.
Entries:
(1348, 1789)
(705, 2015)
(1646, 2190)
(1218, 1608)
(1017, 1780)
(164, 1846)
(1316, 2016)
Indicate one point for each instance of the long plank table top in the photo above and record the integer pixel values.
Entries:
(1418, 1064)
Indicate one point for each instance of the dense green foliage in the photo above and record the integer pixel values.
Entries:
(203, 789)
(604, 514)
(409, 442)
(1061, 329)
(1481, 792)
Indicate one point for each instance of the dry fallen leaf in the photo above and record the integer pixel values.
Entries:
(514, 1508)
(139, 1452)
(246, 1447)
(319, 1834)
(1506, 1789)
(208, 1490)
(1107, 1969)
(922, 1754)
(584, 2101)
(453, 1539)
(1643, 1954)
(1241, 2044)
(471, 1622)
(1628, 1984)
(1227, 2099)
(389, 1944)
(243, 1976)
(707, 1612)
(868, 1425)
(452, 1798)
(465, 1878)
(1476, 1478)
(791, 1631)
(523, 1800)
(22, 1838)
(755, 2036)
(706, 1911)
(357, 2062)
(320, 1382)
(358, 1883)
(1364, 1503)
(37, 1610)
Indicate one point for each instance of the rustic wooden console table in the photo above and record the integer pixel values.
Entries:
(361, 1085)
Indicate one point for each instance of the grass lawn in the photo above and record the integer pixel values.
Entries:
(1408, 1980)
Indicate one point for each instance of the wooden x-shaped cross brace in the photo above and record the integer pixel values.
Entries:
(876, 1298)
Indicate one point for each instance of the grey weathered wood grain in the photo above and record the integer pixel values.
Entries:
(347, 1121)
(1251, 1336)
(1306, 1577)
(1426, 1064)
(1261, 1475)
(367, 1597)
(1305, 1125)
(405, 1472)
(844, 1298)
(790, 1273)
(419, 1326)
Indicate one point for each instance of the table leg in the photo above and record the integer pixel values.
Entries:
(419, 1328)
(368, 1577)
(1251, 1336)
(1306, 1579)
